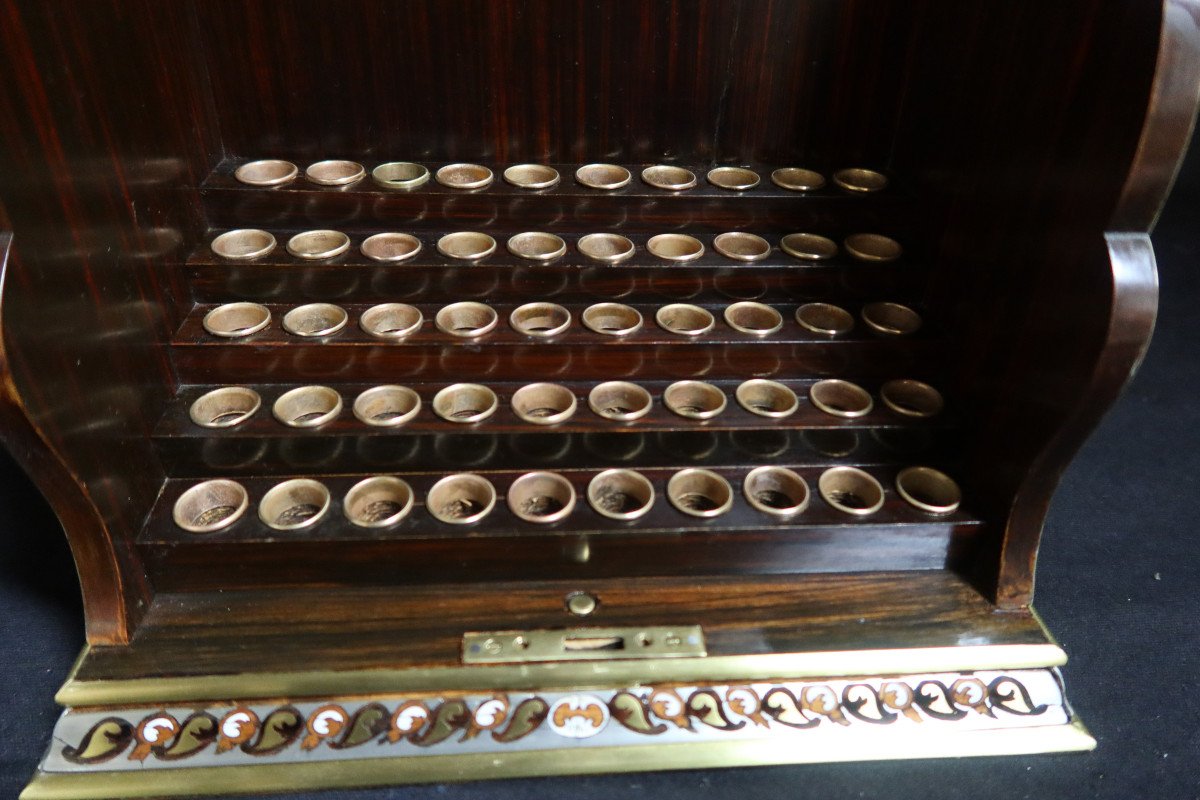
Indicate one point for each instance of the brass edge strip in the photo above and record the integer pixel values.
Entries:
(557, 676)
(563, 761)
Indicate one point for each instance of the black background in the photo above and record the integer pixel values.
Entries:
(1117, 583)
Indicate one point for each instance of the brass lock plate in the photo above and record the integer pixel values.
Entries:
(583, 644)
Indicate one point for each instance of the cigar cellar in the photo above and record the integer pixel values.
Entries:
(455, 390)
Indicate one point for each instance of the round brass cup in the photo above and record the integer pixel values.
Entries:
(540, 319)
(335, 172)
(873, 247)
(891, 318)
(742, 246)
(234, 320)
(736, 179)
(294, 504)
(467, 319)
(911, 398)
(841, 398)
(603, 176)
(612, 319)
(387, 406)
(797, 179)
(608, 248)
(851, 491)
(700, 493)
(537, 246)
(541, 497)
(465, 403)
(465, 176)
(674, 179)
(391, 247)
(266, 172)
(620, 494)
(315, 319)
(808, 246)
(307, 406)
(766, 398)
(243, 244)
(619, 400)
(694, 399)
(318, 245)
(400, 175)
(677, 247)
(225, 407)
(544, 403)
(825, 319)
(210, 506)
(532, 176)
(378, 502)
(860, 180)
(928, 489)
(466, 245)
(755, 318)
(776, 491)
(684, 319)
(391, 320)
(461, 499)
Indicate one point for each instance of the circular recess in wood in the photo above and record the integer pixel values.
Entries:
(841, 398)
(694, 399)
(742, 246)
(797, 179)
(766, 398)
(391, 247)
(465, 176)
(315, 320)
(851, 491)
(295, 504)
(612, 319)
(621, 401)
(736, 179)
(700, 493)
(466, 245)
(540, 319)
(607, 248)
(235, 320)
(873, 247)
(808, 246)
(620, 494)
(378, 502)
(544, 403)
(825, 319)
(776, 491)
(467, 319)
(541, 497)
(318, 245)
(755, 318)
(684, 319)
(400, 175)
(532, 176)
(210, 506)
(266, 172)
(891, 318)
(537, 246)
(674, 179)
(335, 172)
(928, 489)
(676, 247)
(307, 406)
(860, 180)
(911, 398)
(243, 244)
(603, 176)
(225, 407)
(461, 499)
(465, 403)
(391, 320)
(387, 406)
